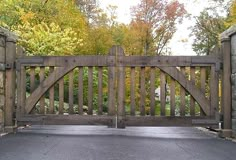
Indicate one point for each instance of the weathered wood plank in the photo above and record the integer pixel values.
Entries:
(203, 84)
(139, 61)
(112, 84)
(214, 91)
(121, 91)
(80, 91)
(32, 79)
(32, 83)
(170, 121)
(170, 61)
(51, 94)
(61, 96)
(107, 120)
(172, 97)
(90, 90)
(182, 95)
(18, 77)
(132, 91)
(142, 91)
(100, 93)
(227, 94)
(71, 92)
(192, 101)
(10, 84)
(163, 93)
(152, 91)
(19, 54)
(61, 61)
(42, 99)
(23, 90)
(66, 120)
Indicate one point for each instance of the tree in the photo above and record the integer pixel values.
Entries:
(231, 19)
(206, 31)
(45, 27)
(155, 22)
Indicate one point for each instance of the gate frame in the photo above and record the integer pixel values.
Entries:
(117, 60)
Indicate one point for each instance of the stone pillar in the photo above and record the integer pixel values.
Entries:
(229, 47)
(2, 76)
(233, 79)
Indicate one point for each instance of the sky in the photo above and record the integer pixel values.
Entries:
(193, 7)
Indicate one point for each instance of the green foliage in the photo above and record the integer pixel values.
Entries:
(45, 27)
(231, 19)
(48, 39)
(206, 31)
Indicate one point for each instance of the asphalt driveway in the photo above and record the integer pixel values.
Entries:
(102, 143)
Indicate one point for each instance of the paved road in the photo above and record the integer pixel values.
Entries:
(102, 143)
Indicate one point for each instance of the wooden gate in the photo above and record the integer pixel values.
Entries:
(118, 90)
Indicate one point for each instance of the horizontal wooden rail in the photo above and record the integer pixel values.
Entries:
(109, 120)
(170, 121)
(126, 61)
(66, 120)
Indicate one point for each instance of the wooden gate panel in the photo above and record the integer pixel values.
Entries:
(138, 109)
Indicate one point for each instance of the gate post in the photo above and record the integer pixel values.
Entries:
(7, 78)
(120, 89)
(228, 40)
(112, 87)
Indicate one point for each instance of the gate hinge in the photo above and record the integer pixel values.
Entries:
(10, 65)
(2, 67)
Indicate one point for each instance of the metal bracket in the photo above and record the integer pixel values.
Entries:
(218, 66)
(10, 65)
(2, 67)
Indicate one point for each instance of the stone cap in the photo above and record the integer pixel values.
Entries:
(10, 36)
(228, 33)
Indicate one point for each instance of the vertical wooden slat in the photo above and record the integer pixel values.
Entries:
(112, 84)
(172, 97)
(142, 91)
(132, 91)
(214, 91)
(51, 95)
(221, 91)
(163, 93)
(71, 92)
(18, 113)
(192, 100)
(23, 89)
(42, 99)
(120, 90)
(20, 54)
(32, 79)
(32, 84)
(61, 95)
(80, 92)
(202, 84)
(100, 94)
(182, 96)
(227, 90)
(90, 90)
(152, 91)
